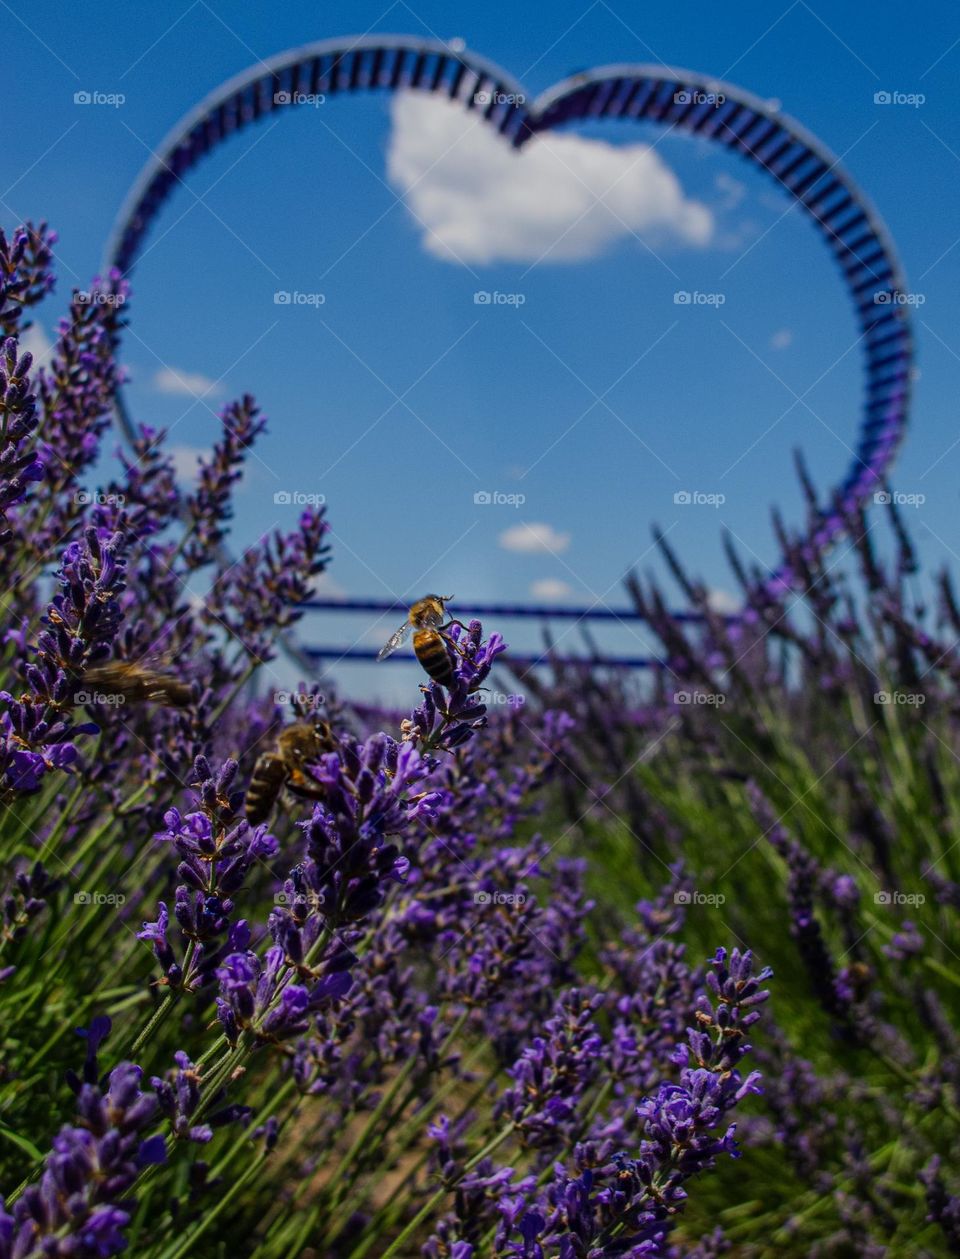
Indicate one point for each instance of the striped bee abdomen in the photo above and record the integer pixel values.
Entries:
(431, 650)
(266, 783)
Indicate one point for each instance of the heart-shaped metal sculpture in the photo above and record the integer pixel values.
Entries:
(678, 99)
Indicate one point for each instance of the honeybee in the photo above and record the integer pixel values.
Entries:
(132, 682)
(431, 643)
(297, 745)
(860, 978)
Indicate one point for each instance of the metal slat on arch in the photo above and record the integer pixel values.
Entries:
(677, 99)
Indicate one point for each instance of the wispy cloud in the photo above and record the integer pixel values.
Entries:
(185, 460)
(324, 586)
(550, 588)
(184, 384)
(724, 602)
(731, 191)
(36, 341)
(534, 539)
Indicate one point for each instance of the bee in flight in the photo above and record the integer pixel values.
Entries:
(297, 746)
(133, 683)
(431, 643)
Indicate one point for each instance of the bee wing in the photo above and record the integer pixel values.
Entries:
(138, 684)
(393, 642)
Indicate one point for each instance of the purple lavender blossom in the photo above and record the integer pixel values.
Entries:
(348, 861)
(19, 463)
(554, 1070)
(75, 396)
(23, 901)
(217, 849)
(907, 943)
(179, 1096)
(943, 1208)
(93, 1037)
(25, 273)
(624, 1207)
(81, 623)
(447, 720)
(146, 499)
(259, 595)
(209, 507)
(80, 1205)
(258, 996)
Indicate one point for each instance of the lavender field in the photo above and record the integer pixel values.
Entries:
(660, 969)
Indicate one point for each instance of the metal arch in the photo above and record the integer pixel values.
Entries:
(326, 66)
(691, 102)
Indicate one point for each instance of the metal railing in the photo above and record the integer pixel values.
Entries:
(496, 613)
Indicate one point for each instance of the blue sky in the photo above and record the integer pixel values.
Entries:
(595, 397)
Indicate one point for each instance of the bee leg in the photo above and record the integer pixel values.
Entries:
(299, 784)
(455, 645)
(308, 793)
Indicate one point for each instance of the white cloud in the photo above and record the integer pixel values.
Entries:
(534, 539)
(326, 588)
(36, 342)
(550, 588)
(724, 602)
(781, 339)
(185, 384)
(185, 460)
(480, 201)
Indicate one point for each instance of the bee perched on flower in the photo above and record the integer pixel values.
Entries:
(432, 644)
(285, 766)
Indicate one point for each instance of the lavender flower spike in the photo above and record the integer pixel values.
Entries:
(79, 1207)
